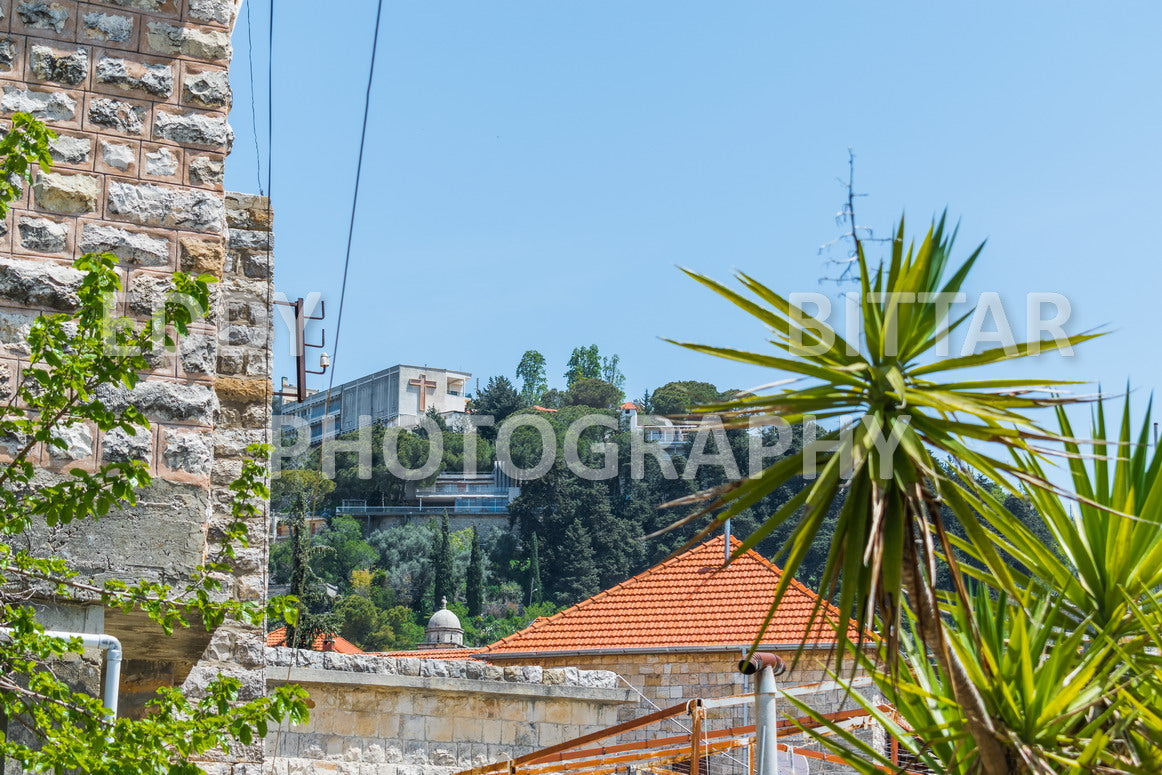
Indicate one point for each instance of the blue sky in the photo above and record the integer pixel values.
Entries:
(535, 171)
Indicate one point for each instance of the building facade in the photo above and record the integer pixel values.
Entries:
(478, 500)
(397, 396)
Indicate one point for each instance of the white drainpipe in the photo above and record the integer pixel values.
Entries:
(765, 666)
(112, 648)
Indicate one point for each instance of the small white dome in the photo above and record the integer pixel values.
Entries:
(444, 619)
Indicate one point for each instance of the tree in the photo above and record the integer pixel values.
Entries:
(596, 393)
(645, 402)
(584, 363)
(611, 371)
(889, 527)
(474, 585)
(681, 397)
(578, 577)
(383, 487)
(552, 399)
(533, 377)
(306, 588)
(72, 358)
(358, 618)
(443, 569)
(340, 549)
(498, 400)
(535, 588)
(294, 489)
(405, 557)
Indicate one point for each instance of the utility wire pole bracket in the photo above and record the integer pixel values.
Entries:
(299, 392)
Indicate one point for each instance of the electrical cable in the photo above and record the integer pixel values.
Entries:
(270, 96)
(253, 108)
(354, 209)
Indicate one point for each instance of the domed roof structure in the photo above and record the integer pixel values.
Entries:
(444, 630)
(444, 618)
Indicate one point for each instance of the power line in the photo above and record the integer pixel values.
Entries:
(354, 206)
(270, 96)
(253, 109)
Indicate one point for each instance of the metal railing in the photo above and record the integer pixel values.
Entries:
(461, 489)
(404, 511)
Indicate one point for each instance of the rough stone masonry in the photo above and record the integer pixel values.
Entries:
(138, 91)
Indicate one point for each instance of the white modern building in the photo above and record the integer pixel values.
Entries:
(656, 429)
(396, 396)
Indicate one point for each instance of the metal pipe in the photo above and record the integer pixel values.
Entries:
(765, 666)
(766, 723)
(112, 648)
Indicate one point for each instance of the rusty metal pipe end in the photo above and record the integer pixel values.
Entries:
(760, 660)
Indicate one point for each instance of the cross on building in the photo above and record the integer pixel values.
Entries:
(423, 384)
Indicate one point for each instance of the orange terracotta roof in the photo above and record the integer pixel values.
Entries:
(431, 653)
(688, 601)
(341, 645)
(543, 409)
(629, 405)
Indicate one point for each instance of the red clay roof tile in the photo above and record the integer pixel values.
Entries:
(342, 645)
(687, 601)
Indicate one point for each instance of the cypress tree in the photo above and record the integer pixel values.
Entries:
(577, 578)
(536, 592)
(300, 570)
(442, 570)
(474, 586)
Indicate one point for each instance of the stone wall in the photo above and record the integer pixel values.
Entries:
(138, 92)
(668, 678)
(407, 716)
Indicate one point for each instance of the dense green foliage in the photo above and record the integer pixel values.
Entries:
(566, 538)
(378, 591)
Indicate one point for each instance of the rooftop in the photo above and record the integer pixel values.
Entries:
(687, 602)
(341, 644)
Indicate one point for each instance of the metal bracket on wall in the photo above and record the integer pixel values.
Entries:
(299, 392)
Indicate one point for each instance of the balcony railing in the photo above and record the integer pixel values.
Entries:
(406, 511)
(461, 489)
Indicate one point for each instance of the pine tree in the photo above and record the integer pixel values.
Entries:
(577, 577)
(536, 592)
(474, 586)
(442, 570)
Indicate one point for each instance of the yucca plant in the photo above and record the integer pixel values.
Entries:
(904, 407)
(1069, 668)
(1050, 685)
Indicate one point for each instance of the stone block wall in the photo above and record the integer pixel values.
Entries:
(670, 678)
(407, 716)
(138, 91)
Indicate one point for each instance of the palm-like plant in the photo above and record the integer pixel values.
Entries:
(905, 405)
(1069, 667)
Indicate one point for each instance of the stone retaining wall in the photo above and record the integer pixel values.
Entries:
(408, 716)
